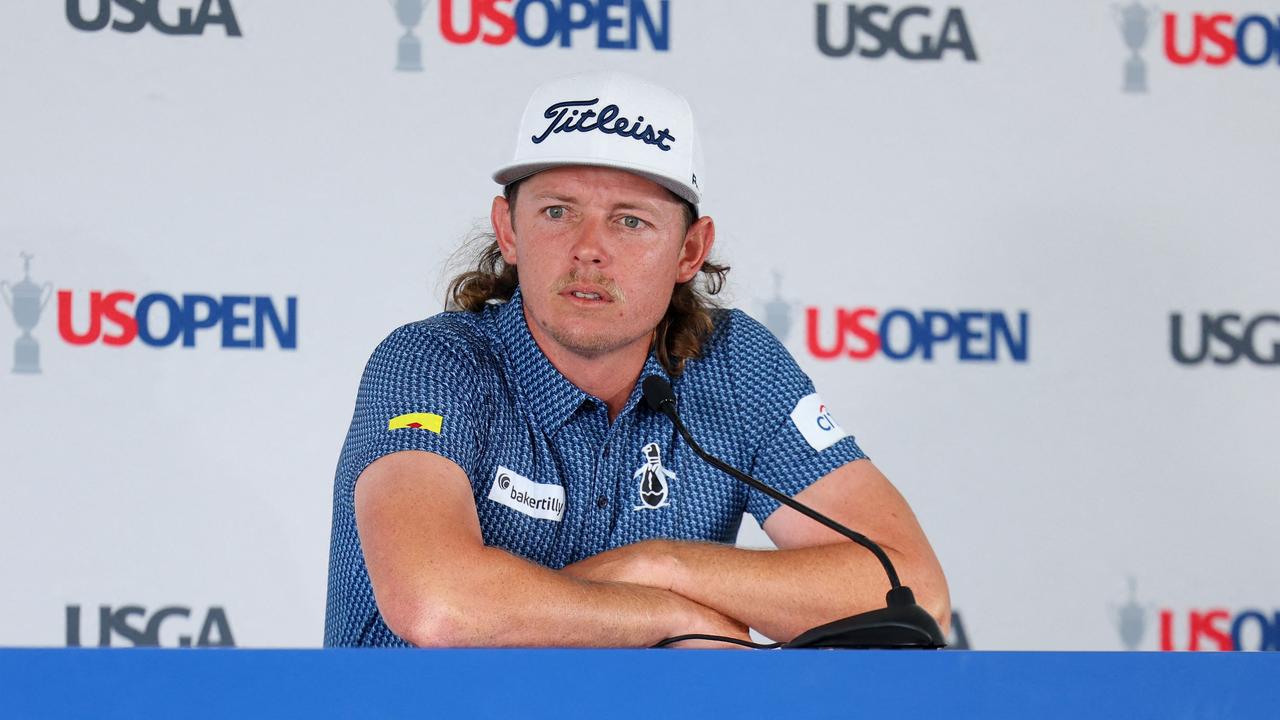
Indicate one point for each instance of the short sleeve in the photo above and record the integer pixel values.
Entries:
(418, 392)
(797, 440)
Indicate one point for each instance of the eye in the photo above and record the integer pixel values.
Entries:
(555, 212)
(632, 222)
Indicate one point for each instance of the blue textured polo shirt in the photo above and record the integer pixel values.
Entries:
(554, 481)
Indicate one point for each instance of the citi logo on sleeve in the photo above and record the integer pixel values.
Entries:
(137, 626)
(875, 30)
(1225, 338)
(608, 24)
(815, 423)
(861, 333)
(537, 500)
(170, 17)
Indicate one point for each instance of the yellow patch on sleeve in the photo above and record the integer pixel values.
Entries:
(417, 421)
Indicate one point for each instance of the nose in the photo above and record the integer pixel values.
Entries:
(589, 244)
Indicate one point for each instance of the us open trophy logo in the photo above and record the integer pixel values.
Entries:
(1135, 24)
(777, 312)
(26, 300)
(1131, 619)
(409, 52)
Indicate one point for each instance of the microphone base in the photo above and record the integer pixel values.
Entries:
(893, 628)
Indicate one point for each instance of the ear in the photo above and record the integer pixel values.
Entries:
(698, 240)
(500, 216)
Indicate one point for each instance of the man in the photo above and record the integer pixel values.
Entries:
(503, 484)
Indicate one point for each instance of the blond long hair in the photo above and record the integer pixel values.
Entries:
(678, 337)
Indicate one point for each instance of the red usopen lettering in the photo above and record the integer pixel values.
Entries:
(1218, 629)
(120, 317)
(501, 27)
(613, 24)
(1218, 38)
(899, 334)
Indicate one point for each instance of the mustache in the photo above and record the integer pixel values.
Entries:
(604, 282)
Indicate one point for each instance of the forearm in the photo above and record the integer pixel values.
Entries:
(782, 593)
(818, 576)
(437, 584)
(506, 601)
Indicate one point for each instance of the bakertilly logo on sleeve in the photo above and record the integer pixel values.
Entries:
(537, 500)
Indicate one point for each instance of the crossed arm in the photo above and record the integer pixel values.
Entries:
(437, 584)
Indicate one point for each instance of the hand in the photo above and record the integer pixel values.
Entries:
(703, 620)
(654, 564)
(651, 563)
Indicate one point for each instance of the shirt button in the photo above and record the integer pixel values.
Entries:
(601, 502)
(606, 449)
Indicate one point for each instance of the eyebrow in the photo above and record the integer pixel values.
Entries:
(556, 198)
(645, 207)
(641, 207)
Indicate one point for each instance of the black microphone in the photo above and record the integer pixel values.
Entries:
(902, 624)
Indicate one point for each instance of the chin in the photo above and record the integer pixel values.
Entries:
(586, 343)
(592, 338)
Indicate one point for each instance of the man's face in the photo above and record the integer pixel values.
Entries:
(598, 252)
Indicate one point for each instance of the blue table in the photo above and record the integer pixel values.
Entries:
(633, 683)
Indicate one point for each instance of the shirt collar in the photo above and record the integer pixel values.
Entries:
(551, 398)
(651, 368)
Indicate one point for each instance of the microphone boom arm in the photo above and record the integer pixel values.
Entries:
(785, 499)
(900, 624)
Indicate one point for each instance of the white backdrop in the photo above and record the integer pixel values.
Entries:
(296, 161)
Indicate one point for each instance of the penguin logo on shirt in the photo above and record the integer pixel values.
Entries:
(653, 480)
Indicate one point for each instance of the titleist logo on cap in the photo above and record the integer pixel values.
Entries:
(567, 117)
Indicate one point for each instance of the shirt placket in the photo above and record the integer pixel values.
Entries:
(611, 485)
(582, 440)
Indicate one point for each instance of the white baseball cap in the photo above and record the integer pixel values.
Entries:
(609, 119)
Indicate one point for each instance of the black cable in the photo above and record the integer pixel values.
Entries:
(718, 638)
(670, 411)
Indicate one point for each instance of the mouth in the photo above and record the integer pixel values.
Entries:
(586, 295)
